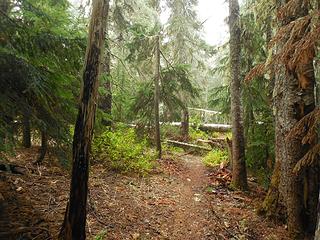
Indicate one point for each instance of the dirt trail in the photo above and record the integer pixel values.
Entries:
(180, 200)
(193, 209)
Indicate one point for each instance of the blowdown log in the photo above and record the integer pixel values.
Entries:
(187, 145)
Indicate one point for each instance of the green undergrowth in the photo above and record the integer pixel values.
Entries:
(123, 152)
(101, 235)
(215, 157)
(167, 148)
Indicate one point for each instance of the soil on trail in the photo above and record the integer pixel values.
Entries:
(181, 199)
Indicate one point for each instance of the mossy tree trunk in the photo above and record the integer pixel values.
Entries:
(272, 206)
(75, 216)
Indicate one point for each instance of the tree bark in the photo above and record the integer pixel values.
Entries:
(272, 206)
(157, 96)
(43, 148)
(185, 124)
(26, 129)
(239, 172)
(317, 233)
(75, 216)
(294, 98)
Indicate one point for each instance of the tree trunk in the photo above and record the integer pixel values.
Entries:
(106, 99)
(26, 129)
(75, 216)
(294, 98)
(291, 185)
(239, 172)
(185, 124)
(157, 97)
(272, 206)
(317, 234)
(43, 148)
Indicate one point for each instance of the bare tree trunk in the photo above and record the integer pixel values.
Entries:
(185, 124)
(157, 97)
(75, 217)
(26, 129)
(239, 172)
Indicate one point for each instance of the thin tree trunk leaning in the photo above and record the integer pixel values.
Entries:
(157, 97)
(75, 217)
(239, 172)
(188, 145)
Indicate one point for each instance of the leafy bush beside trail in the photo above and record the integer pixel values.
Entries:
(122, 152)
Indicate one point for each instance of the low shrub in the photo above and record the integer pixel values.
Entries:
(122, 152)
(215, 157)
(167, 148)
(195, 134)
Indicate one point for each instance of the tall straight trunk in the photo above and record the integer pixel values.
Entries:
(106, 100)
(239, 172)
(291, 185)
(26, 129)
(157, 97)
(273, 206)
(185, 124)
(75, 217)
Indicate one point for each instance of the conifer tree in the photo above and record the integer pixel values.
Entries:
(239, 172)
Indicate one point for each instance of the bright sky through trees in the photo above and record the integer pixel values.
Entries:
(214, 13)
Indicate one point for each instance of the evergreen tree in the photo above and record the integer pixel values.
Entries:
(239, 171)
(183, 32)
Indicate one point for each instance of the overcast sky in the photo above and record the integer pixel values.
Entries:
(215, 28)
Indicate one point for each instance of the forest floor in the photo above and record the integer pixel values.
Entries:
(180, 199)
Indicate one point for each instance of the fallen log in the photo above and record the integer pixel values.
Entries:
(213, 127)
(11, 168)
(214, 142)
(187, 145)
